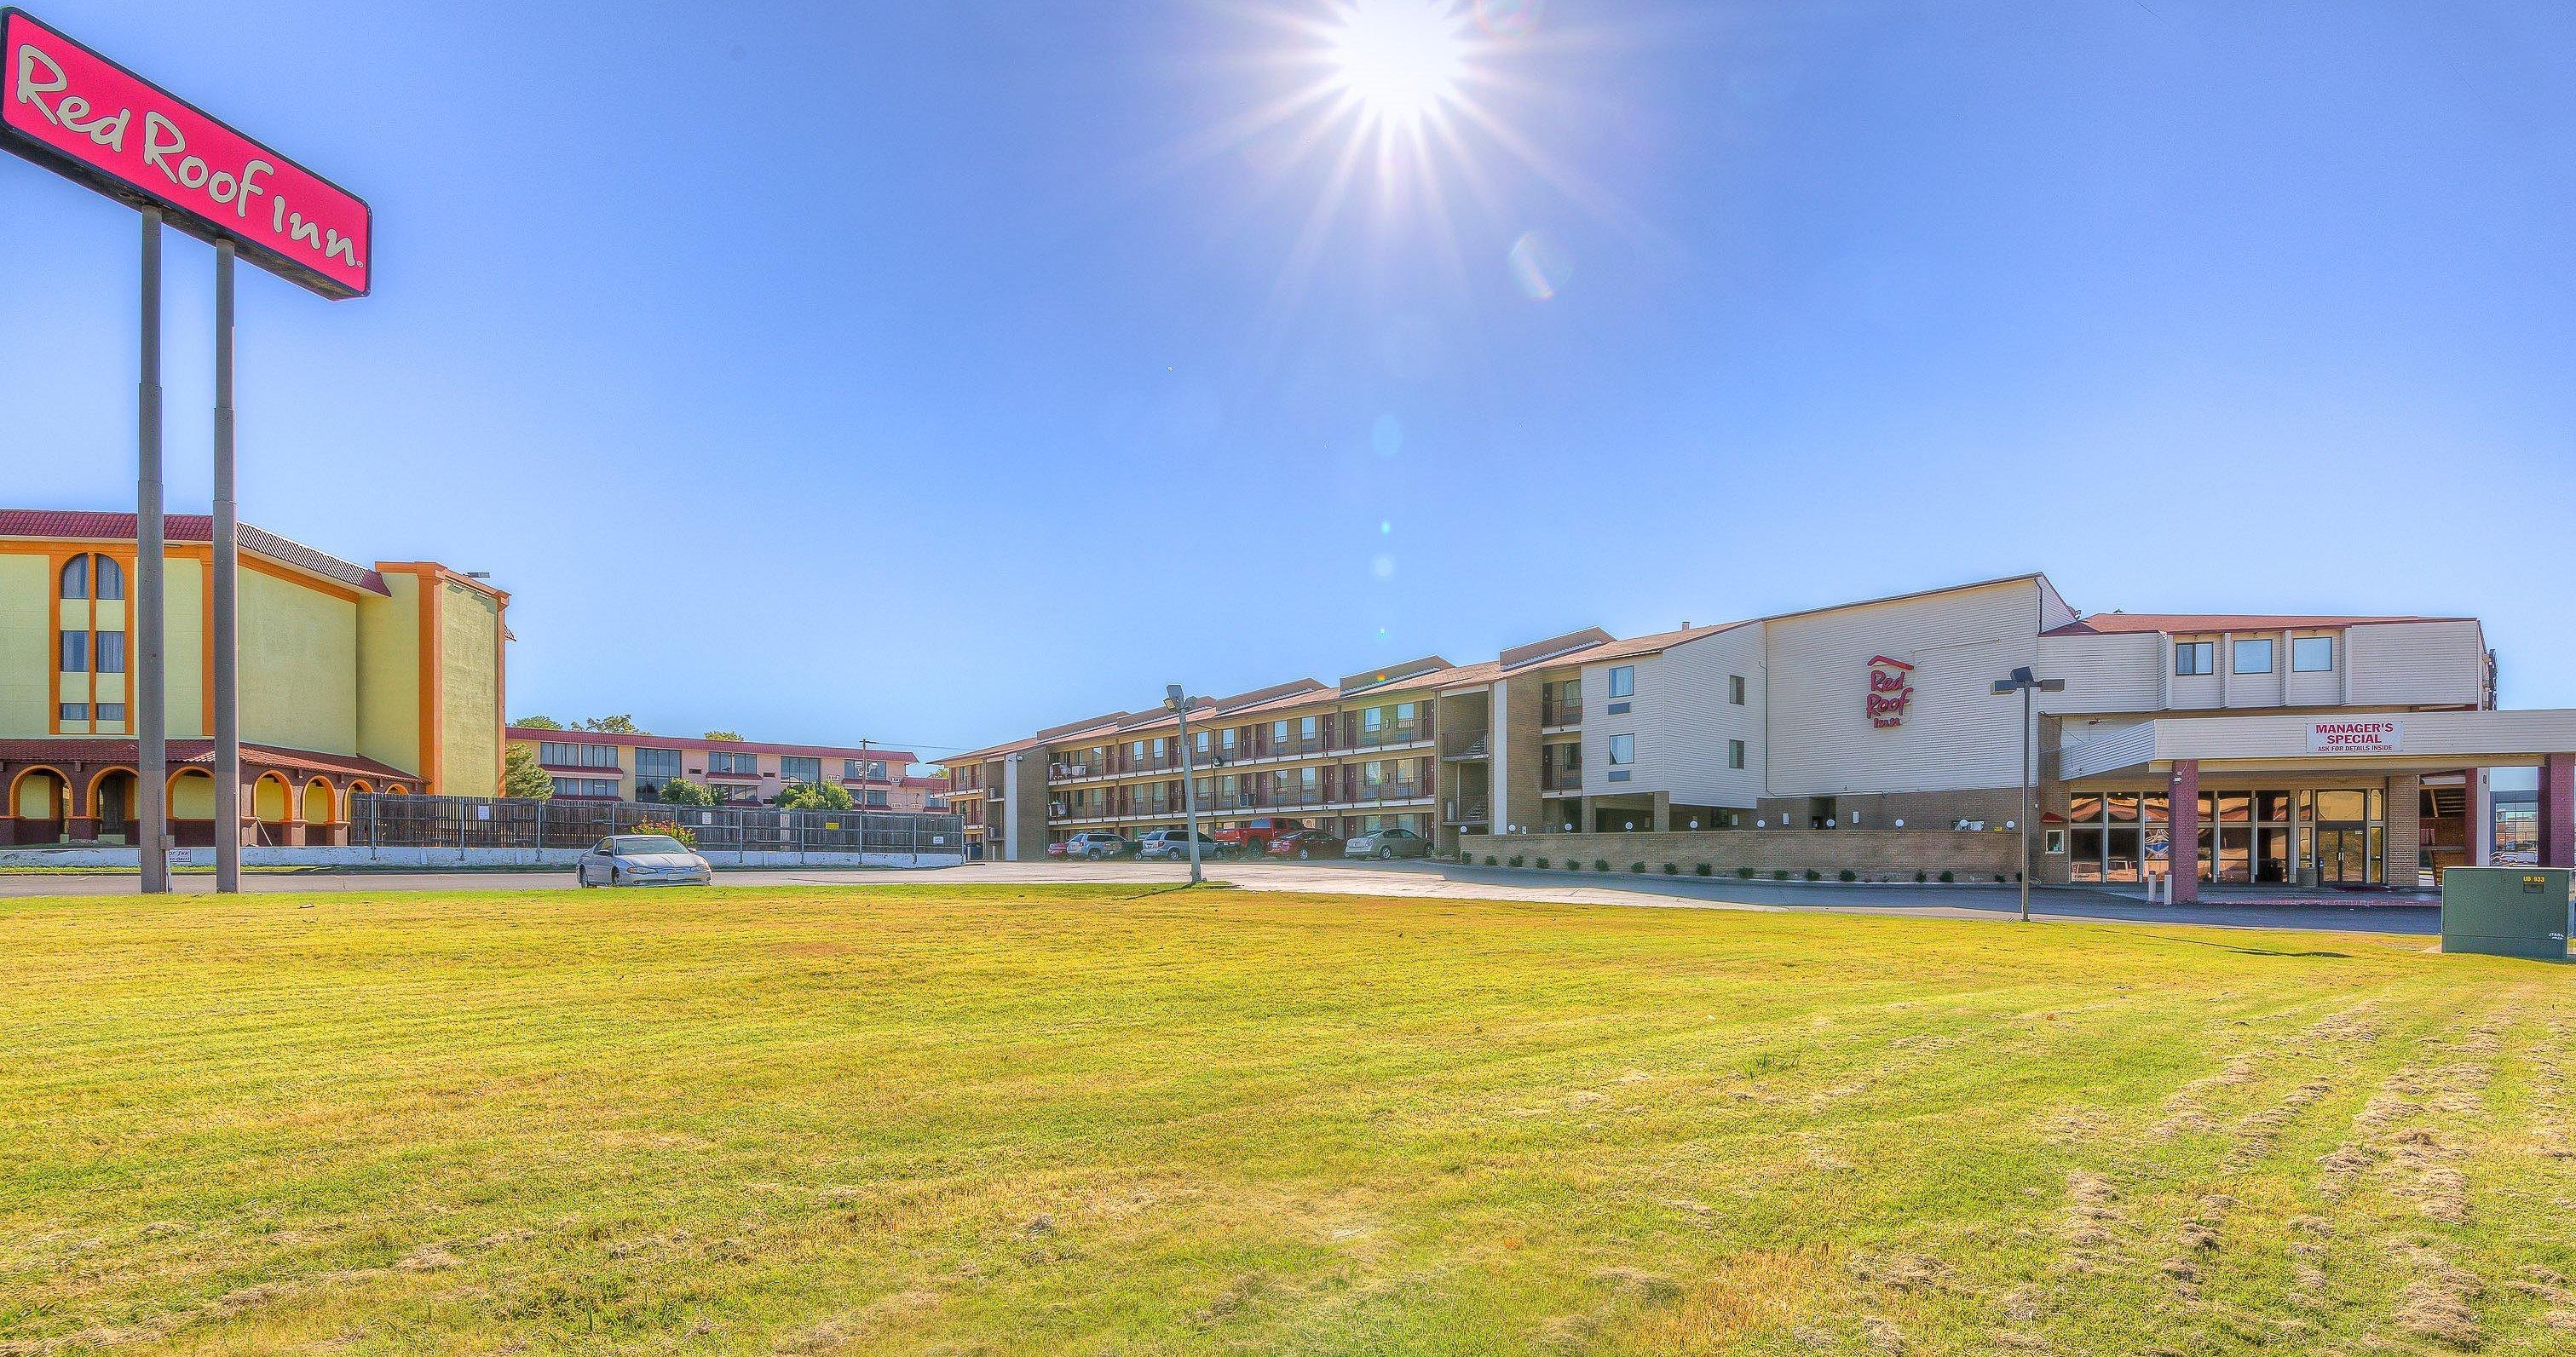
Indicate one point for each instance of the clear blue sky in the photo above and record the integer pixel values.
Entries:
(930, 372)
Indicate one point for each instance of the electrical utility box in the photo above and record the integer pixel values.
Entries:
(2507, 911)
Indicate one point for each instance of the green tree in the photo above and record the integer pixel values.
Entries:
(521, 777)
(538, 723)
(679, 791)
(612, 725)
(734, 737)
(814, 796)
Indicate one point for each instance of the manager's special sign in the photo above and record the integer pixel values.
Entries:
(74, 111)
(2378, 735)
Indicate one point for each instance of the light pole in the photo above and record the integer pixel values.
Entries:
(2022, 682)
(1189, 785)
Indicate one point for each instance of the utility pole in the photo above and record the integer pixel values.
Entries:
(1189, 784)
(2022, 682)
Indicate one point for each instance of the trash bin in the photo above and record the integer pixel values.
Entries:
(2507, 911)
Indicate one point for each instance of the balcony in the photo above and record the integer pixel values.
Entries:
(1564, 713)
(1560, 780)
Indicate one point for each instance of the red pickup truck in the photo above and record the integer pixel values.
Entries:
(1255, 835)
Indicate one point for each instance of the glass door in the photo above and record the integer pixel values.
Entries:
(2343, 855)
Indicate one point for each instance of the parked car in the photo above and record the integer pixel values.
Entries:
(1306, 844)
(642, 860)
(1165, 845)
(1387, 845)
(1056, 849)
(1258, 833)
(1092, 845)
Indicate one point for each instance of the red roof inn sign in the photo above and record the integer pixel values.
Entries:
(1891, 691)
(76, 112)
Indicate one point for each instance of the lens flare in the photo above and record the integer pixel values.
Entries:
(1508, 18)
(1383, 567)
(1387, 436)
(1539, 266)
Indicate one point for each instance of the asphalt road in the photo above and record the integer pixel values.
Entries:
(1398, 879)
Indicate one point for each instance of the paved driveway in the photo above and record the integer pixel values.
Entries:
(1400, 879)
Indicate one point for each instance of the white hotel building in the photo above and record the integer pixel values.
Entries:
(2310, 750)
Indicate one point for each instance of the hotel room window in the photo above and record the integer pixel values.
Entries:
(108, 649)
(1735, 753)
(2253, 657)
(795, 769)
(1623, 749)
(2194, 657)
(75, 711)
(1735, 689)
(107, 579)
(2312, 655)
(1623, 680)
(75, 652)
(76, 577)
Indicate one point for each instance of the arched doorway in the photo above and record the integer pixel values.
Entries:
(320, 812)
(272, 803)
(192, 808)
(112, 805)
(40, 800)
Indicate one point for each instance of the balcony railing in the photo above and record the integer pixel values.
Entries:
(1568, 713)
(1560, 779)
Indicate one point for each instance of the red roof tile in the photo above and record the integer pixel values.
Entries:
(71, 749)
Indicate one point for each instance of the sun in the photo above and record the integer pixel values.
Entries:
(1399, 61)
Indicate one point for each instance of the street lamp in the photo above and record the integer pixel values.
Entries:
(1189, 784)
(2022, 682)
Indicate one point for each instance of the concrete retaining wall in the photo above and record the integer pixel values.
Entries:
(442, 857)
(1872, 854)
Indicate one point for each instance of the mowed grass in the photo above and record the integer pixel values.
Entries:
(1119, 1119)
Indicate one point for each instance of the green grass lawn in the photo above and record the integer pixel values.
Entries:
(1116, 1119)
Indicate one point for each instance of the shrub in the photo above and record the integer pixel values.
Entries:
(679, 791)
(1814, 875)
(1671, 870)
(1542, 864)
(523, 778)
(1947, 878)
(1516, 859)
(1999, 878)
(1705, 870)
(673, 828)
(1743, 873)
(1849, 875)
(1489, 859)
(1779, 873)
(1920, 878)
(1601, 864)
(814, 796)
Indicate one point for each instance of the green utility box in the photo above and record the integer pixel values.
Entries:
(2507, 911)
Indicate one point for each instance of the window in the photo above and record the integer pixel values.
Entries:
(732, 763)
(1278, 733)
(1623, 680)
(876, 797)
(75, 711)
(567, 754)
(1373, 720)
(1623, 749)
(111, 711)
(653, 767)
(1735, 753)
(1203, 742)
(1735, 689)
(2253, 657)
(108, 648)
(1306, 728)
(75, 652)
(110, 578)
(796, 769)
(2312, 655)
(1227, 743)
(76, 578)
(604, 788)
(2194, 657)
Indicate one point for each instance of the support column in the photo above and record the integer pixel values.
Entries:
(2184, 858)
(2479, 811)
(2403, 850)
(1661, 816)
(2558, 811)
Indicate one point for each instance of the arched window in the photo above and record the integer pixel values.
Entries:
(110, 578)
(76, 577)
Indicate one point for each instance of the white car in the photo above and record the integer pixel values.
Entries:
(642, 860)
(1386, 845)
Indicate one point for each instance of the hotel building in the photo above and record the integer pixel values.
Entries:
(594, 766)
(383, 678)
(2336, 751)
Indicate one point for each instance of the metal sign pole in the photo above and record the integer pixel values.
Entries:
(152, 753)
(227, 654)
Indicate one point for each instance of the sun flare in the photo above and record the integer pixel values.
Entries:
(1400, 60)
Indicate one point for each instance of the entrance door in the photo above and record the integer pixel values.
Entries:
(2343, 855)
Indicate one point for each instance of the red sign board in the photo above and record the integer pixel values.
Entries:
(72, 110)
(1891, 691)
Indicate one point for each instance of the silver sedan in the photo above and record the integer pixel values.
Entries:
(642, 860)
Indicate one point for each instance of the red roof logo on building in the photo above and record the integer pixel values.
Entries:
(1891, 691)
